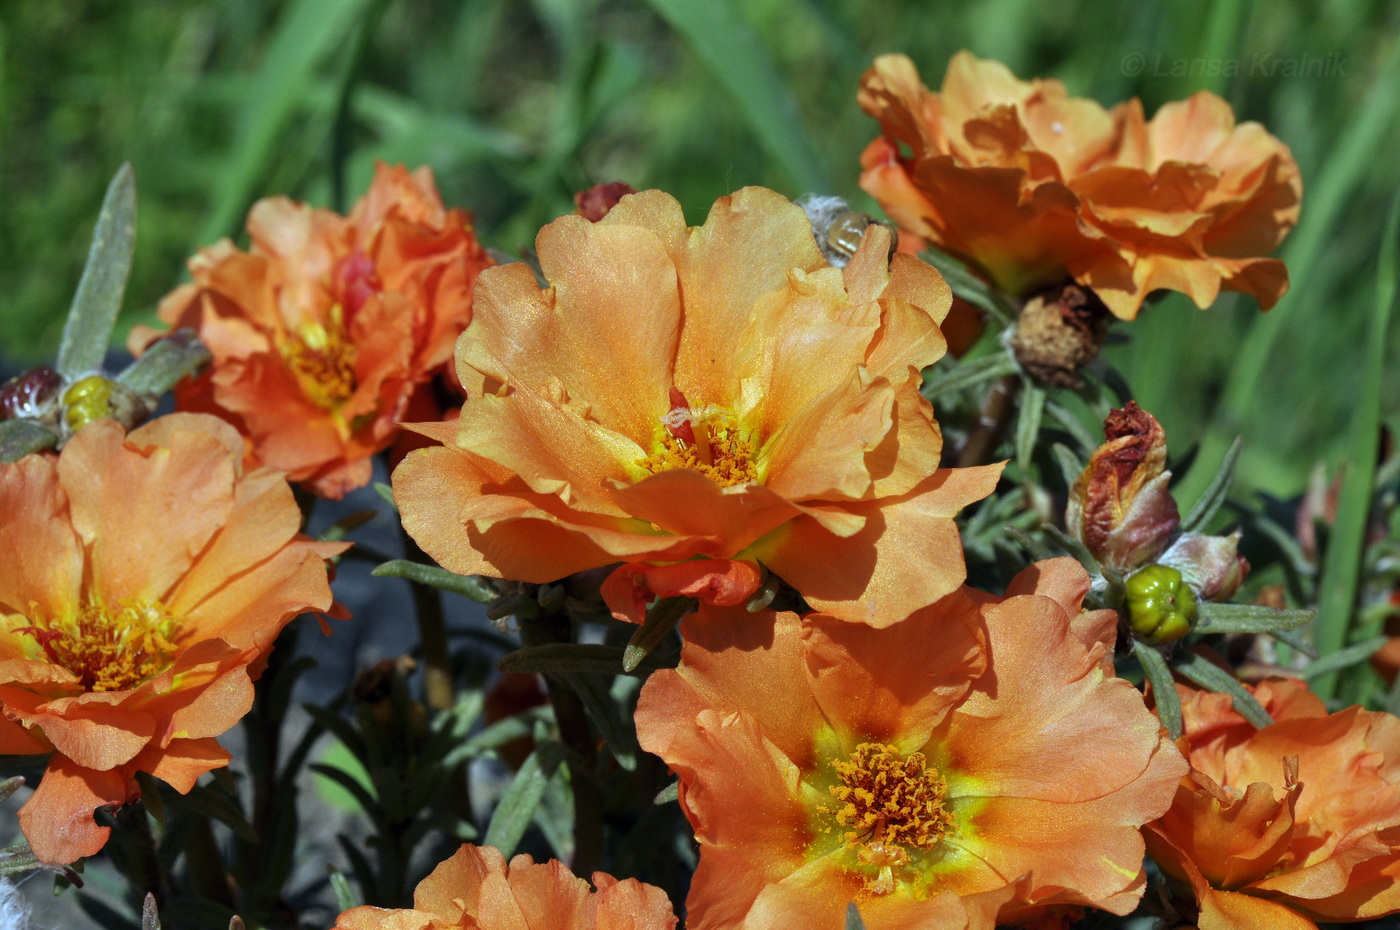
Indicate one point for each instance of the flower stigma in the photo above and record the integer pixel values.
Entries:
(890, 804)
(109, 650)
(323, 358)
(707, 439)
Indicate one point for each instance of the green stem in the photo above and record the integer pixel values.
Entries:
(432, 634)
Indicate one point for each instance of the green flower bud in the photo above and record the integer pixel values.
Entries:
(87, 400)
(1161, 606)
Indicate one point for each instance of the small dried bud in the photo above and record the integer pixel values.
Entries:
(1161, 606)
(1058, 333)
(1212, 565)
(1120, 507)
(594, 203)
(32, 396)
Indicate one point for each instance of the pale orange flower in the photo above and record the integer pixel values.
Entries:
(719, 392)
(1029, 185)
(476, 890)
(145, 578)
(1287, 825)
(975, 763)
(322, 330)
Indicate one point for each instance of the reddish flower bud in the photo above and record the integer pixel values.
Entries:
(1120, 507)
(32, 395)
(594, 203)
(1212, 565)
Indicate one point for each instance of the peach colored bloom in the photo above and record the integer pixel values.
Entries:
(323, 329)
(1294, 823)
(973, 764)
(145, 578)
(476, 890)
(1029, 184)
(719, 392)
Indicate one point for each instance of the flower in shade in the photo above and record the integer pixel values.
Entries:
(973, 764)
(476, 890)
(1029, 185)
(145, 578)
(323, 330)
(717, 392)
(1287, 825)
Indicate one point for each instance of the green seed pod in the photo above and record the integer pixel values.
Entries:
(1161, 606)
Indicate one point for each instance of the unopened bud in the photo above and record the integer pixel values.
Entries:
(32, 396)
(1212, 565)
(594, 203)
(97, 396)
(1161, 607)
(1120, 507)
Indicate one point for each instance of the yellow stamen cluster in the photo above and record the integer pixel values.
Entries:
(889, 804)
(323, 358)
(722, 451)
(110, 650)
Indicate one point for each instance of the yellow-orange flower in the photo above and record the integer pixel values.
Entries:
(1029, 184)
(476, 890)
(323, 329)
(719, 392)
(144, 579)
(976, 763)
(1290, 824)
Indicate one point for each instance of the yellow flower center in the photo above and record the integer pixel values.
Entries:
(110, 650)
(708, 440)
(322, 356)
(890, 804)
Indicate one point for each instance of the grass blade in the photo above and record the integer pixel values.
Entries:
(728, 47)
(1341, 570)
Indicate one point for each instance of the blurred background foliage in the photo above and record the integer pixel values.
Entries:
(517, 104)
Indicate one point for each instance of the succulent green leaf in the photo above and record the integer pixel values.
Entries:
(1202, 672)
(19, 438)
(1154, 667)
(469, 586)
(1201, 514)
(1250, 618)
(88, 329)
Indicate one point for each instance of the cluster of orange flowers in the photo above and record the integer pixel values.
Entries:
(707, 407)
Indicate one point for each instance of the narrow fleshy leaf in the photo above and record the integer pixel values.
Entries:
(671, 792)
(1295, 642)
(1250, 618)
(19, 438)
(1155, 668)
(613, 723)
(150, 795)
(150, 917)
(853, 918)
(661, 620)
(88, 330)
(518, 803)
(1073, 546)
(469, 586)
(346, 525)
(162, 366)
(1212, 677)
(1070, 465)
(1333, 662)
(220, 807)
(345, 897)
(1201, 514)
(1028, 422)
(942, 381)
(1073, 425)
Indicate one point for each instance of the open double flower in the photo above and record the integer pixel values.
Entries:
(324, 329)
(476, 889)
(718, 392)
(976, 763)
(1294, 823)
(1029, 185)
(145, 577)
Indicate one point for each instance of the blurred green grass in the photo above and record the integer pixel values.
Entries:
(518, 104)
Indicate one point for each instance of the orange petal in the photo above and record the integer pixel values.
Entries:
(722, 582)
(896, 684)
(820, 451)
(907, 555)
(687, 503)
(57, 819)
(182, 762)
(43, 565)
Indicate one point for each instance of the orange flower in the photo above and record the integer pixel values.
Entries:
(1029, 184)
(977, 761)
(145, 577)
(476, 889)
(321, 332)
(717, 392)
(1294, 823)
